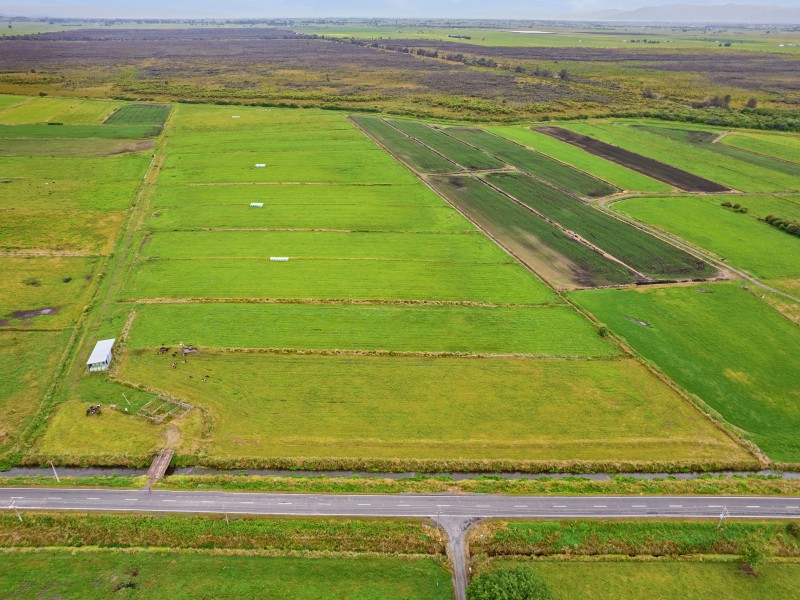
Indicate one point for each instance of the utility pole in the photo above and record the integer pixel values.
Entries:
(54, 471)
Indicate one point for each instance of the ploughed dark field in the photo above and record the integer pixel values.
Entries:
(454, 79)
(651, 167)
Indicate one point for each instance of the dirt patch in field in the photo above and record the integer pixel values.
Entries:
(638, 321)
(132, 146)
(648, 166)
(27, 315)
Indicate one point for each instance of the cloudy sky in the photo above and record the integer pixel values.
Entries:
(498, 9)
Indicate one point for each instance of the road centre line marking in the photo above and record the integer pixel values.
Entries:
(481, 506)
(715, 506)
(207, 501)
(559, 506)
(439, 505)
(638, 505)
(243, 502)
(169, 500)
(93, 498)
(520, 506)
(676, 506)
(284, 502)
(403, 505)
(753, 506)
(793, 507)
(600, 506)
(131, 499)
(364, 505)
(54, 498)
(17, 497)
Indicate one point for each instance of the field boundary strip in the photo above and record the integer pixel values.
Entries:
(355, 301)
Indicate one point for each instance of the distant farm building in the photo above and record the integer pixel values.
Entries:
(101, 356)
(256, 205)
(279, 258)
(260, 165)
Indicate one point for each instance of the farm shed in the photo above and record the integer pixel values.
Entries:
(279, 258)
(256, 205)
(101, 356)
(260, 165)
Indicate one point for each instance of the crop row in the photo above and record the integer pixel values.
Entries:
(539, 244)
(405, 148)
(634, 247)
(533, 162)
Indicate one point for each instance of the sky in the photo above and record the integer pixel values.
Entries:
(463, 9)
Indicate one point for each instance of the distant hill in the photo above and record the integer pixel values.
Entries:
(692, 13)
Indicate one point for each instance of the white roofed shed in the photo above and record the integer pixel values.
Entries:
(101, 356)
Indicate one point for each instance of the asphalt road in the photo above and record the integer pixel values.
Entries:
(453, 512)
(401, 505)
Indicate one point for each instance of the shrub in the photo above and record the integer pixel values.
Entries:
(519, 583)
(794, 529)
(753, 552)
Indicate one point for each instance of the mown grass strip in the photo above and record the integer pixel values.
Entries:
(407, 536)
(656, 538)
(617, 485)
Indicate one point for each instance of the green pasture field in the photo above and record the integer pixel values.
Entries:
(351, 216)
(406, 207)
(7, 100)
(27, 360)
(405, 148)
(408, 194)
(140, 114)
(740, 239)
(61, 132)
(65, 147)
(322, 164)
(782, 146)
(69, 111)
(616, 175)
(721, 343)
(113, 433)
(438, 247)
(35, 283)
(42, 110)
(535, 163)
(728, 171)
(338, 280)
(457, 151)
(63, 184)
(563, 261)
(83, 231)
(663, 579)
(100, 574)
(703, 139)
(554, 330)
(265, 406)
(641, 251)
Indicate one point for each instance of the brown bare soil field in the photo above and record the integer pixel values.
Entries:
(648, 166)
